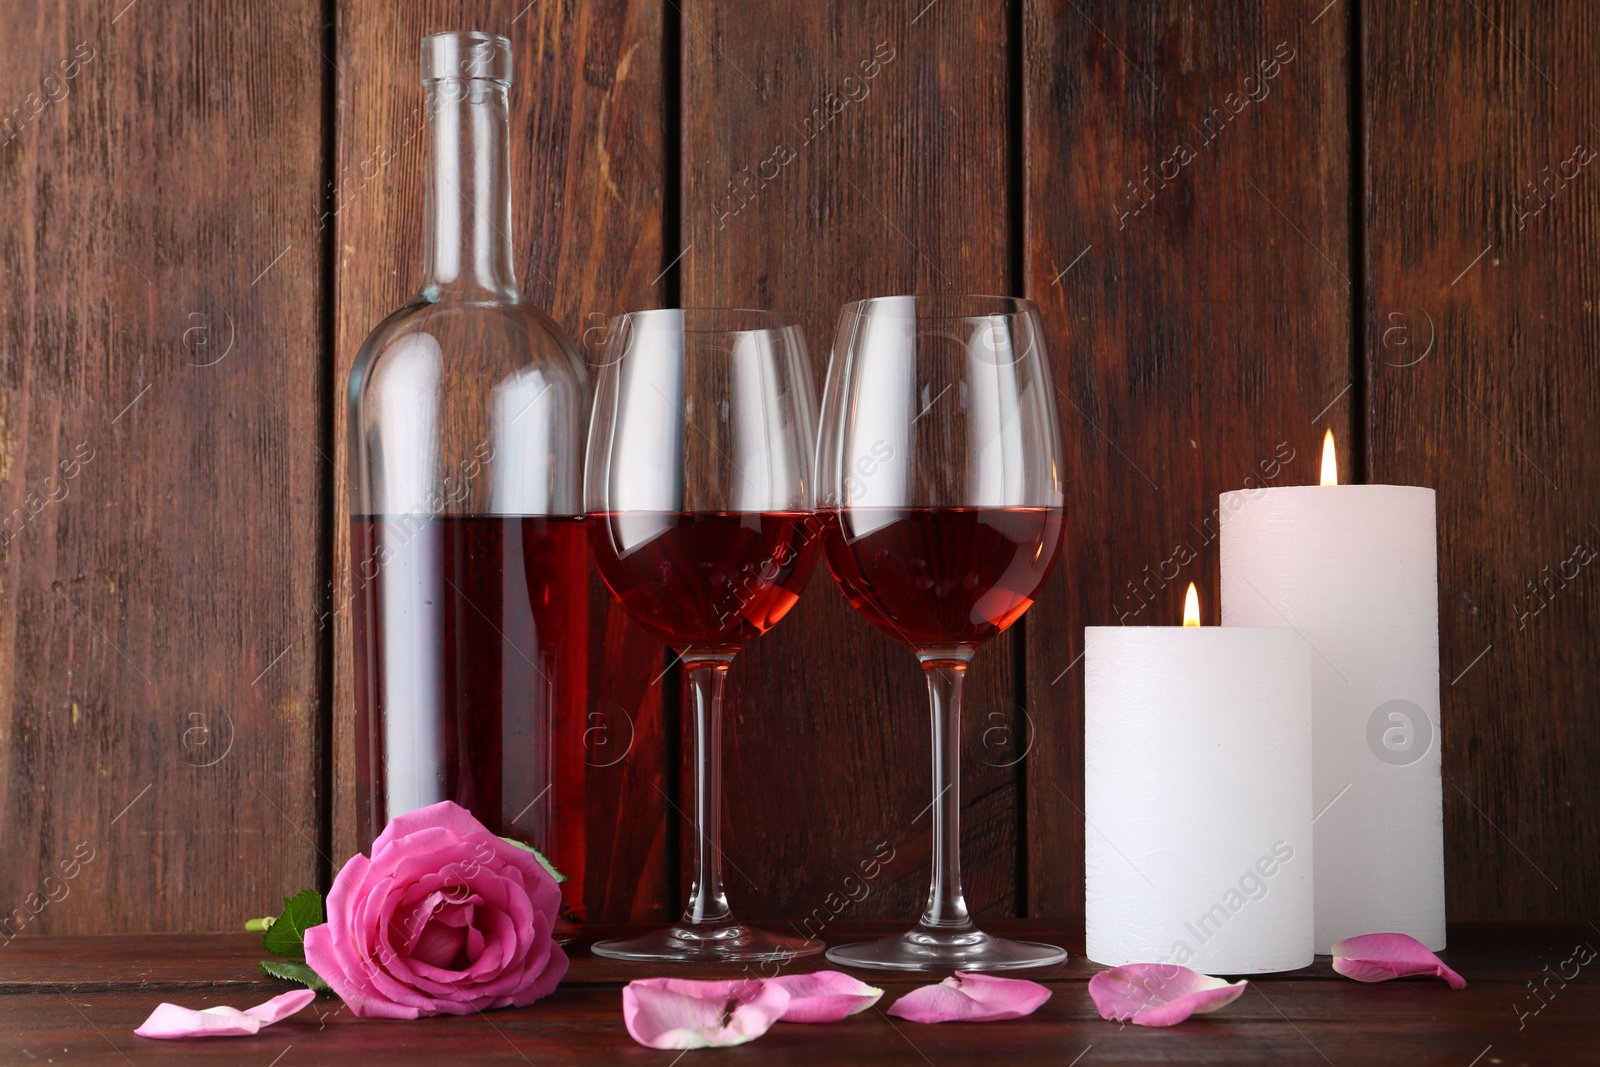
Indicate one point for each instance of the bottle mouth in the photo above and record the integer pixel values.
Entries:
(466, 55)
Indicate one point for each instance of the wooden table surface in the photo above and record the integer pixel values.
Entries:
(71, 1000)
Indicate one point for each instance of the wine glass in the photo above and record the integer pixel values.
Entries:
(699, 493)
(939, 475)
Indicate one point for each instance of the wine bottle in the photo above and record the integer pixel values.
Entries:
(468, 554)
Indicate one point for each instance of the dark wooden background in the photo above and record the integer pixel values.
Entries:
(1243, 223)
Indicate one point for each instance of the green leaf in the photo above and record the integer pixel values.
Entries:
(286, 936)
(294, 971)
(546, 864)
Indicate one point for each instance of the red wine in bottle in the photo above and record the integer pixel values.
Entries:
(705, 580)
(931, 577)
(471, 675)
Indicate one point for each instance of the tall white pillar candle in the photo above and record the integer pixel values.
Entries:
(1197, 798)
(1353, 569)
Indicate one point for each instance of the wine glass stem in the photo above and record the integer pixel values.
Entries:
(947, 907)
(708, 904)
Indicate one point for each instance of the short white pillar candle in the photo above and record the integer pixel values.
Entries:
(1353, 569)
(1197, 797)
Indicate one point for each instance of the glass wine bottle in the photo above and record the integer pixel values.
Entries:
(468, 554)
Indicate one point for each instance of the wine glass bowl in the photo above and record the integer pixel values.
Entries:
(699, 492)
(939, 472)
(942, 577)
(704, 581)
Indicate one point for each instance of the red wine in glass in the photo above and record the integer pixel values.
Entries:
(939, 465)
(471, 637)
(705, 580)
(701, 503)
(942, 576)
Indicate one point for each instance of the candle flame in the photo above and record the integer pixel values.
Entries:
(1191, 607)
(1330, 464)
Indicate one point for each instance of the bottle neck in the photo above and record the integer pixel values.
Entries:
(468, 250)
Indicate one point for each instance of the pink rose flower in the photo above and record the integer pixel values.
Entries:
(444, 918)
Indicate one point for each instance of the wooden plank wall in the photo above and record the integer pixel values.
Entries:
(1243, 224)
(1482, 219)
(164, 373)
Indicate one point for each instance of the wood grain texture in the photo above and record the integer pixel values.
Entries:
(84, 996)
(832, 153)
(1483, 370)
(587, 122)
(159, 530)
(1188, 243)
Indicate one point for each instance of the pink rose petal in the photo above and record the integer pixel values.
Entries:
(824, 996)
(1380, 957)
(173, 1020)
(971, 998)
(682, 1013)
(281, 1006)
(1159, 994)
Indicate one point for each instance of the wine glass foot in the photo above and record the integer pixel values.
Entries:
(733, 943)
(930, 950)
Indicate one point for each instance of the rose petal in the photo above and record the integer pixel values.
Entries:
(322, 957)
(680, 1013)
(173, 1020)
(1159, 994)
(445, 815)
(281, 1006)
(1380, 957)
(547, 964)
(824, 996)
(442, 945)
(971, 998)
